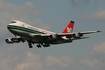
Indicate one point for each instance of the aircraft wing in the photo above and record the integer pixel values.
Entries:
(74, 33)
(73, 36)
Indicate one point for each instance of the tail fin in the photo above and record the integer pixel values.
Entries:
(69, 27)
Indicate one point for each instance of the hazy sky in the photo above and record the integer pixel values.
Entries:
(54, 15)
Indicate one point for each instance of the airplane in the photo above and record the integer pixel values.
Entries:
(43, 38)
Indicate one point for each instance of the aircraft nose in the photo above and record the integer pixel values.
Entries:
(8, 26)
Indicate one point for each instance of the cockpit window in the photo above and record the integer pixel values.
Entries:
(13, 22)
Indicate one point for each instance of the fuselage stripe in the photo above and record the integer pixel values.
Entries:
(24, 29)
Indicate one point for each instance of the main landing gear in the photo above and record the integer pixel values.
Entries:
(43, 44)
(39, 45)
(30, 45)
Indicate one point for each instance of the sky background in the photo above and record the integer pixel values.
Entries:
(54, 15)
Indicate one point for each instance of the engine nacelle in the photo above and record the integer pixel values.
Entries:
(8, 40)
(53, 37)
(12, 40)
(77, 35)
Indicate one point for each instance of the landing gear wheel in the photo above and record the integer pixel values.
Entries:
(39, 46)
(46, 45)
(30, 45)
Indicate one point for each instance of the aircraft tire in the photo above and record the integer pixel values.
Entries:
(39, 46)
(30, 46)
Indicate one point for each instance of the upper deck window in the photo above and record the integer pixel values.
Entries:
(13, 22)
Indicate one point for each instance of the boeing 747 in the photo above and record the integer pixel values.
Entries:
(33, 35)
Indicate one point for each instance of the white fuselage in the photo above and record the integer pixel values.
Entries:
(27, 31)
(21, 26)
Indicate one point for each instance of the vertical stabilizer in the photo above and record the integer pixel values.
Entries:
(69, 27)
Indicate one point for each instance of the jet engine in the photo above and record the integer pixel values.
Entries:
(77, 35)
(53, 37)
(8, 40)
(12, 40)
